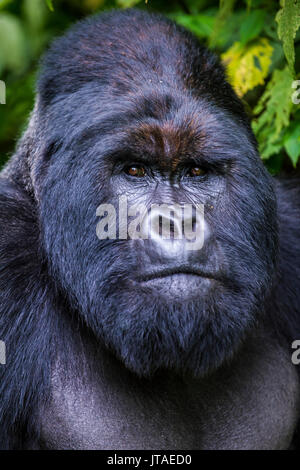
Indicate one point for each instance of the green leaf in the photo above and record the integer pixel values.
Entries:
(4, 3)
(50, 5)
(252, 25)
(13, 52)
(35, 13)
(226, 9)
(13, 116)
(201, 25)
(127, 3)
(288, 19)
(292, 142)
(195, 6)
(274, 163)
(229, 31)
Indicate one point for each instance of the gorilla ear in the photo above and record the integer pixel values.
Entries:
(28, 165)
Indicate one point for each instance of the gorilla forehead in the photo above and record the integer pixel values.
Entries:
(156, 124)
(120, 50)
(125, 52)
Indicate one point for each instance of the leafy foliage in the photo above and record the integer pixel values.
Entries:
(258, 41)
(273, 110)
(288, 19)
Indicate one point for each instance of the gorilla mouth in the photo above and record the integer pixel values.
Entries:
(178, 284)
(182, 272)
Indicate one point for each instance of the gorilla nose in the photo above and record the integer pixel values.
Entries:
(165, 224)
(175, 230)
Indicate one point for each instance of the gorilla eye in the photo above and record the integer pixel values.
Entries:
(135, 170)
(197, 171)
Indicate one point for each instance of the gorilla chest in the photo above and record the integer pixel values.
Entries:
(252, 404)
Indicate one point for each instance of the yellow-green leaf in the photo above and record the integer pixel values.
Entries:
(248, 66)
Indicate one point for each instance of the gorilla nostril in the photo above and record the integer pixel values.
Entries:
(172, 228)
(194, 222)
(166, 226)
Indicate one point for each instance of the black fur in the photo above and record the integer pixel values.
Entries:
(112, 83)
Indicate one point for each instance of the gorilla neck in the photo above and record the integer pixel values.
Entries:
(100, 405)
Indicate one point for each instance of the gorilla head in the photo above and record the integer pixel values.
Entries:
(130, 104)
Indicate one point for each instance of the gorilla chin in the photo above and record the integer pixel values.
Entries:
(178, 322)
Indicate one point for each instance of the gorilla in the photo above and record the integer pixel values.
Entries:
(118, 342)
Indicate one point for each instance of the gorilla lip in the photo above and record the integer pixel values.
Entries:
(176, 271)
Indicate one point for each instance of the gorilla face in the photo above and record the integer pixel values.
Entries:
(155, 303)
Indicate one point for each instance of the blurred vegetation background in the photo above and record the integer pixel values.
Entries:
(258, 41)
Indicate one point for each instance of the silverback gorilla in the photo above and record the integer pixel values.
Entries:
(130, 343)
